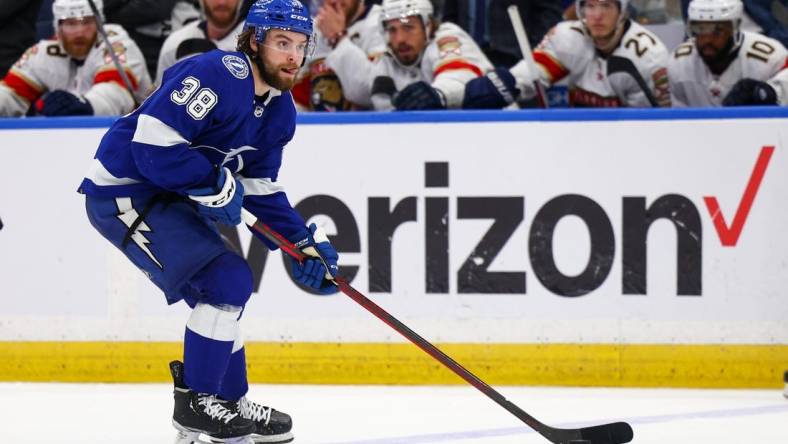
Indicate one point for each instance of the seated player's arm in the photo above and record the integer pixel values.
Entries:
(21, 86)
(352, 67)
(456, 60)
(109, 94)
(780, 84)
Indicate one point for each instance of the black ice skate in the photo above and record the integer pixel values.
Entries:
(271, 426)
(200, 413)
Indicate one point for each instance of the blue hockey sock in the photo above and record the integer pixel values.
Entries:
(235, 385)
(208, 345)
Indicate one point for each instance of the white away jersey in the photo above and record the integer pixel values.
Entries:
(194, 30)
(568, 51)
(351, 60)
(450, 60)
(693, 84)
(46, 67)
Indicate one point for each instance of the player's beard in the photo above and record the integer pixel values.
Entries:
(222, 16)
(406, 54)
(718, 57)
(273, 74)
(78, 47)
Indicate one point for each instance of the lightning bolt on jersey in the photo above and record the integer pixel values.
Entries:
(46, 67)
(758, 57)
(568, 51)
(451, 59)
(203, 116)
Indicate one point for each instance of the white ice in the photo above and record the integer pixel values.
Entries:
(140, 413)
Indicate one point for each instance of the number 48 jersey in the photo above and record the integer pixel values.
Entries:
(204, 116)
(693, 84)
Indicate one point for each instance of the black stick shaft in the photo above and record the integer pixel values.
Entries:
(403, 329)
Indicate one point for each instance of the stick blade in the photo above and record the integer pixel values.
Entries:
(613, 433)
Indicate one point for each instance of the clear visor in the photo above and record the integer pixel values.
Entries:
(75, 23)
(587, 6)
(284, 45)
(715, 29)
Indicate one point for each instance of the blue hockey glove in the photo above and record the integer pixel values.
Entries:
(750, 92)
(419, 96)
(63, 103)
(319, 272)
(223, 202)
(495, 90)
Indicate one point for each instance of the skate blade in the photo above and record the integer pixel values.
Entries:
(189, 436)
(259, 439)
(272, 439)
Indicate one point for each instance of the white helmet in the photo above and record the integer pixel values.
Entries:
(66, 9)
(717, 11)
(623, 5)
(400, 9)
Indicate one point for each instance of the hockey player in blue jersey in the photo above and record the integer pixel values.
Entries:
(208, 141)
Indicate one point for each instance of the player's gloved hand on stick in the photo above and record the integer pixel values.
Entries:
(494, 90)
(750, 92)
(319, 272)
(419, 96)
(221, 203)
(63, 103)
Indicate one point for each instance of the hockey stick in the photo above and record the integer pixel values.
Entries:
(111, 50)
(525, 48)
(613, 433)
(622, 64)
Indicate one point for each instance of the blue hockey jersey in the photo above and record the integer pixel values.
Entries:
(205, 114)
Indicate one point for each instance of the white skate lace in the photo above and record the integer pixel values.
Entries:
(254, 411)
(215, 410)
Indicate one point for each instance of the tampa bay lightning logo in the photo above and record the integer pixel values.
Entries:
(236, 66)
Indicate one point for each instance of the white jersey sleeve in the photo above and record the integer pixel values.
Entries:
(168, 55)
(23, 83)
(758, 57)
(352, 59)
(566, 48)
(780, 84)
(104, 87)
(338, 78)
(451, 60)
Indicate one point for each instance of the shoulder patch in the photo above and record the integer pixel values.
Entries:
(449, 45)
(236, 65)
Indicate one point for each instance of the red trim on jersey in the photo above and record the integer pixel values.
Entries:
(581, 97)
(22, 87)
(786, 64)
(113, 75)
(555, 70)
(302, 91)
(457, 65)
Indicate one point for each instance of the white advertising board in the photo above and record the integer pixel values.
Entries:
(507, 231)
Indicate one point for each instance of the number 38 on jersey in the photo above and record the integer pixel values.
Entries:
(198, 101)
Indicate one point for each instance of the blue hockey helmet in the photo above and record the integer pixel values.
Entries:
(288, 15)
